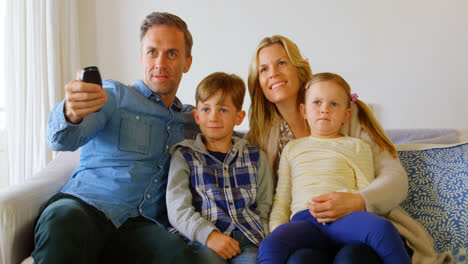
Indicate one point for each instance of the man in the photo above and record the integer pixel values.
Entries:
(113, 209)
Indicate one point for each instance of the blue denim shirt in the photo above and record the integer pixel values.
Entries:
(124, 157)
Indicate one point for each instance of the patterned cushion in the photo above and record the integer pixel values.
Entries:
(438, 194)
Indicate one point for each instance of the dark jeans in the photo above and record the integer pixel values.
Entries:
(71, 231)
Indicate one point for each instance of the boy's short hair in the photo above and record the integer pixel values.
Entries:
(229, 84)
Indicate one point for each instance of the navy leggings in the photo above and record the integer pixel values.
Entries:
(351, 253)
(305, 232)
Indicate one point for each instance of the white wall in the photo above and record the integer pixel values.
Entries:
(409, 58)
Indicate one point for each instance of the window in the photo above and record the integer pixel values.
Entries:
(3, 138)
(2, 86)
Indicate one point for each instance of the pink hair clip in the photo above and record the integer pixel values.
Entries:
(354, 97)
(307, 85)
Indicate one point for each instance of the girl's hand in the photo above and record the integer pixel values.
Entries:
(335, 205)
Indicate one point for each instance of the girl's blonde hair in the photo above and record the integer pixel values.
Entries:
(262, 112)
(365, 115)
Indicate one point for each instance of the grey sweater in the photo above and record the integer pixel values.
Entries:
(181, 212)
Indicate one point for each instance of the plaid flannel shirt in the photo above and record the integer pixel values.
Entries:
(225, 193)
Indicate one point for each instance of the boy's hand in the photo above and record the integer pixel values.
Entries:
(223, 245)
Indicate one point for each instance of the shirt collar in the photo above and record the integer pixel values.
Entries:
(146, 92)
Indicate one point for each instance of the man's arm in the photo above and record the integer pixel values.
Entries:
(62, 133)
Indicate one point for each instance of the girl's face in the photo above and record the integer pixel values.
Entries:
(278, 77)
(326, 109)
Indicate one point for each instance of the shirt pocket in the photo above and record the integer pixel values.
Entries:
(245, 180)
(204, 178)
(204, 181)
(135, 133)
(245, 177)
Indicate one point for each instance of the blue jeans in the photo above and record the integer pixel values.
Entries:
(248, 252)
(305, 232)
(72, 231)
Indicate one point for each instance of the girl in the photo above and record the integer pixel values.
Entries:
(324, 162)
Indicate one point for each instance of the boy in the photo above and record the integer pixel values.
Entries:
(220, 188)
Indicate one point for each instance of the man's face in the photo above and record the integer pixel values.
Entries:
(164, 60)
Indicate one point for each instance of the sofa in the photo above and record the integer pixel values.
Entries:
(436, 161)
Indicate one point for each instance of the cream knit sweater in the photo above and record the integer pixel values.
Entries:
(312, 166)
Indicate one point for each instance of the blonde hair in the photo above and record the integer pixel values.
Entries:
(229, 84)
(262, 112)
(365, 115)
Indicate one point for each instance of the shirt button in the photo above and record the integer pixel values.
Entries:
(155, 180)
(167, 147)
(148, 196)
(157, 99)
(141, 211)
(137, 117)
(168, 127)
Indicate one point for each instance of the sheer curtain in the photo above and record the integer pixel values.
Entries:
(41, 55)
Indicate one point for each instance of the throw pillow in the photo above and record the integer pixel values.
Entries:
(438, 193)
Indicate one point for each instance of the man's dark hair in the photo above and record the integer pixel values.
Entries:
(167, 19)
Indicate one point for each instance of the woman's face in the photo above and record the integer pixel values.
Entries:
(278, 77)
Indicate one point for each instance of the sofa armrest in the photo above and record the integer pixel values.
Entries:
(20, 205)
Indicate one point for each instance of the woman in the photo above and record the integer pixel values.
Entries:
(277, 77)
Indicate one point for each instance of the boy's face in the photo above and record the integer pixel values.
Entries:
(217, 120)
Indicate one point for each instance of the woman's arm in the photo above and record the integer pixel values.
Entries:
(265, 191)
(390, 186)
(281, 210)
